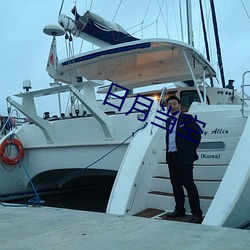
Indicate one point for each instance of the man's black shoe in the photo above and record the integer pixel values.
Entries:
(196, 219)
(174, 214)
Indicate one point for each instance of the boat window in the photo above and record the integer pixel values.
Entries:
(189, 96)
(215, 145)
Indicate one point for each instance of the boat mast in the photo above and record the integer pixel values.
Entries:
(205, 38)
(204, 31)
(189, 23)
(216, 33)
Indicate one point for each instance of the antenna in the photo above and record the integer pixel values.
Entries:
(54, 30)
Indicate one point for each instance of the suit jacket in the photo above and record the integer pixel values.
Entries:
(186, 140)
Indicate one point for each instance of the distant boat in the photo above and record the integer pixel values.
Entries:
(121, 136)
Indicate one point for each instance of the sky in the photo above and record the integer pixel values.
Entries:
(25, 48)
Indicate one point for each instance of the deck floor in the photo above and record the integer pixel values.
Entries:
(57, 228)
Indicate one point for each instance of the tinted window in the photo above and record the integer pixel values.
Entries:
(189, 96)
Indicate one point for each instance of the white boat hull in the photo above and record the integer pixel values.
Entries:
(79, 147)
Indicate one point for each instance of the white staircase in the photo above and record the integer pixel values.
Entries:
(143, 179)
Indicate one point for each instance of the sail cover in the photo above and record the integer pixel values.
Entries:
(96, 26)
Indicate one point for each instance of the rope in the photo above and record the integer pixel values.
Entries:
(99, 159)
(105, 155)
(37, 201)
(132, 135)
(70, 51)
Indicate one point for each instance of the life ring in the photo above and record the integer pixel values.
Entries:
(19, 147)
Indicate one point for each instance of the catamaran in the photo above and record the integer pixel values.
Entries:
(122, 136)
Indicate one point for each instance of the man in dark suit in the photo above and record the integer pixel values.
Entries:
(182, 139)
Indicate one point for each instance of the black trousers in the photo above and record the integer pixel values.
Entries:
(181, 174)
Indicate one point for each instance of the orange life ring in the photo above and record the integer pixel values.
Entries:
(19, 147)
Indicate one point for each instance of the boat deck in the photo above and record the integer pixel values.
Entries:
(56, 228)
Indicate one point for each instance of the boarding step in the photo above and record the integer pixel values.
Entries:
(165, 201)
(201, 172)
(161, 215)
(205, 187)
(149, 213)
(170, 194)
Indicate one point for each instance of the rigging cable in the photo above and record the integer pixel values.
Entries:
(117, 10)
(90, 7)
(142, 23)
(142, 28)
(205, 38)
(175, 18)
(160, 12)
(217, 44)
(245, 9)
(182, 34)
(61, 7)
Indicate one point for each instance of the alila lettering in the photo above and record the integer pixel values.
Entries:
(219, 131)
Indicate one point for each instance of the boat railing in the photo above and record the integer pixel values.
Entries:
(136, 186)
(245, 97)
(10, 122)
(160, 106)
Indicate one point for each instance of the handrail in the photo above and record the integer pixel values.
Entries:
(17, 118)
(243, 92)
(162, 98)
(136, 185)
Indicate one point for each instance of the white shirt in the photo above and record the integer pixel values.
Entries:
(171, 138)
